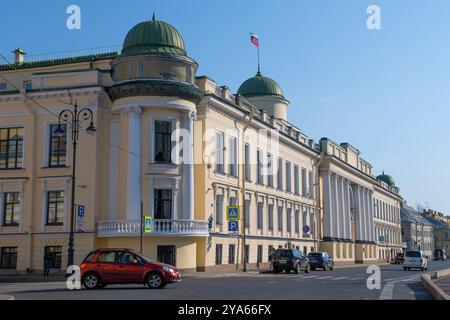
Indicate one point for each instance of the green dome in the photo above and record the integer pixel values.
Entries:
(153, 37)
(387, 178)
(260, 86)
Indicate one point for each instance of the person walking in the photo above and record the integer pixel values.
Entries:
(47, 264)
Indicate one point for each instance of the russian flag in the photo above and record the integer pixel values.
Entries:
(254, 39)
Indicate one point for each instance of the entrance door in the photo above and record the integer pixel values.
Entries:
(167, 254)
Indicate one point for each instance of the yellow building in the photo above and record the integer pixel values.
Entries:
(183, 147)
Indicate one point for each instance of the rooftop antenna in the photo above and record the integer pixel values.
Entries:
(154, 18)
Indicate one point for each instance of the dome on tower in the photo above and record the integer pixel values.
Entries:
(387, 179)
(260, 86)
(153, 37)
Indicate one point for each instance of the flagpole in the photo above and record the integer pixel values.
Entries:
(259, 69)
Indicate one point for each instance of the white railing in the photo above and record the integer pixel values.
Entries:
(160, 227)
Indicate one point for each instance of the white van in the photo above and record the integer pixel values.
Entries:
(415, 259)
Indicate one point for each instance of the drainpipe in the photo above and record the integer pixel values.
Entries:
(319, 160)
(251, 115)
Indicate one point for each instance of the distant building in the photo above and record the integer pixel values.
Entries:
(417, 232)
(441, 229)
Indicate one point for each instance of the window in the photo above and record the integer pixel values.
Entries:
(107, 257)
(297, 220)
(163, 141)
(55, 207)
(288, 219)
(304, 192)
(311, 184)
(269, 252)
(280, 174)
(8, 258)
(270, 170)
(11, 148)
(296, 180)
(260, 215)
(247, 213)
(248, 171)
(55, 254)
(259, 167)
(57, 151)
(305, 250)
(280, 218)
(27, 85)
(231, 253)
(305, 217)
(288, 176)
(260, 254)
(233, 201)
(219, 209)
(270, 216)
(163, 204)
(167, 254)
(312, 223)
(11, 209)
(220, 152)
(233, 157)
(247, 253)
(218, 254)
(3, 85)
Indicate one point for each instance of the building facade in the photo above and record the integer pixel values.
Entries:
(417, 231)
(179, 148)
(441, 229)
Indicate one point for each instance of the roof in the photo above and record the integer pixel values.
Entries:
(51, 62)
(260, 86)
(153, 37)
(387, 178)
(410, 214)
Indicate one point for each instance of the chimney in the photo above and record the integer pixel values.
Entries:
(19, 56)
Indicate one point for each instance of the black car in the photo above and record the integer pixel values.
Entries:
(320, 260)
(290, 259)
(399, 258)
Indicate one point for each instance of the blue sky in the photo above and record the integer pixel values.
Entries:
(386, 92)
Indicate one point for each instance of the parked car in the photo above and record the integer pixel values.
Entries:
(439, 254)
(290, 259)
(415, 259)
(399, 258)
(124, 266)
(320, 260)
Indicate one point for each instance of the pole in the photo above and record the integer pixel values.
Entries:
(142, 225)
(259, 69)
(70, 251)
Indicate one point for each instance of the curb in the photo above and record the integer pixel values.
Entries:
(427, 282)
(6, 297)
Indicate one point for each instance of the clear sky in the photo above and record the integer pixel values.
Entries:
(386, 92)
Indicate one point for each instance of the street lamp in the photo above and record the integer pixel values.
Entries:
(74, 118)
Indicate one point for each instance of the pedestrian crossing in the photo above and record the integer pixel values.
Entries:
(316, 277)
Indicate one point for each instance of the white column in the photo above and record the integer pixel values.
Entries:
(188, 167)
(114, 126)
(334, 204)
(358, 213)
(347, 213)
(133, 192)
(342, 215)
(371, 226)
(365, 215)
(328, 210)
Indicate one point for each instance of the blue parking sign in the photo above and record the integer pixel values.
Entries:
(148, 224)
(233, 226)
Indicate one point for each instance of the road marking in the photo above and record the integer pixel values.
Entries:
(340, 278)
(321, 278)
(359, 278)
(309, 277)
(6, 297)
(388, 292)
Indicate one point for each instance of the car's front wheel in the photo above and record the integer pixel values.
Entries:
(308, 268)
(155, 281)
(91, 281)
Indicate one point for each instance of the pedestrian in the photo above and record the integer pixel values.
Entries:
(271, 256)
(47, 264)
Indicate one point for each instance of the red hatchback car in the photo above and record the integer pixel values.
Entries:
(124, 266)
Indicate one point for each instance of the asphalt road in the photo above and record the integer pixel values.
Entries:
(343, 283)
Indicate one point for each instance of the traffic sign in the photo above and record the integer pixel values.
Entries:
(233, 213)
(148, 225)
(306, 229)
(233, 226)
(80, 218)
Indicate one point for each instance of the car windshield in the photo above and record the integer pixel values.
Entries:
(413, 254)
(315, 255)
(400, 254)
(284, 253)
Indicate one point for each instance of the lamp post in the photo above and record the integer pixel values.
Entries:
(74, 117)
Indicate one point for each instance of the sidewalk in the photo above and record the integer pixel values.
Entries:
(444, 284)
(33, 277)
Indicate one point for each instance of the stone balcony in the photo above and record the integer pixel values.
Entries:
(161, 227)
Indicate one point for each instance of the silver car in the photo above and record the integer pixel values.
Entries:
(415, 259)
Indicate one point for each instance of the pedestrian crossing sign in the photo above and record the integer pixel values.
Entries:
(148, 226)
(232, 213)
